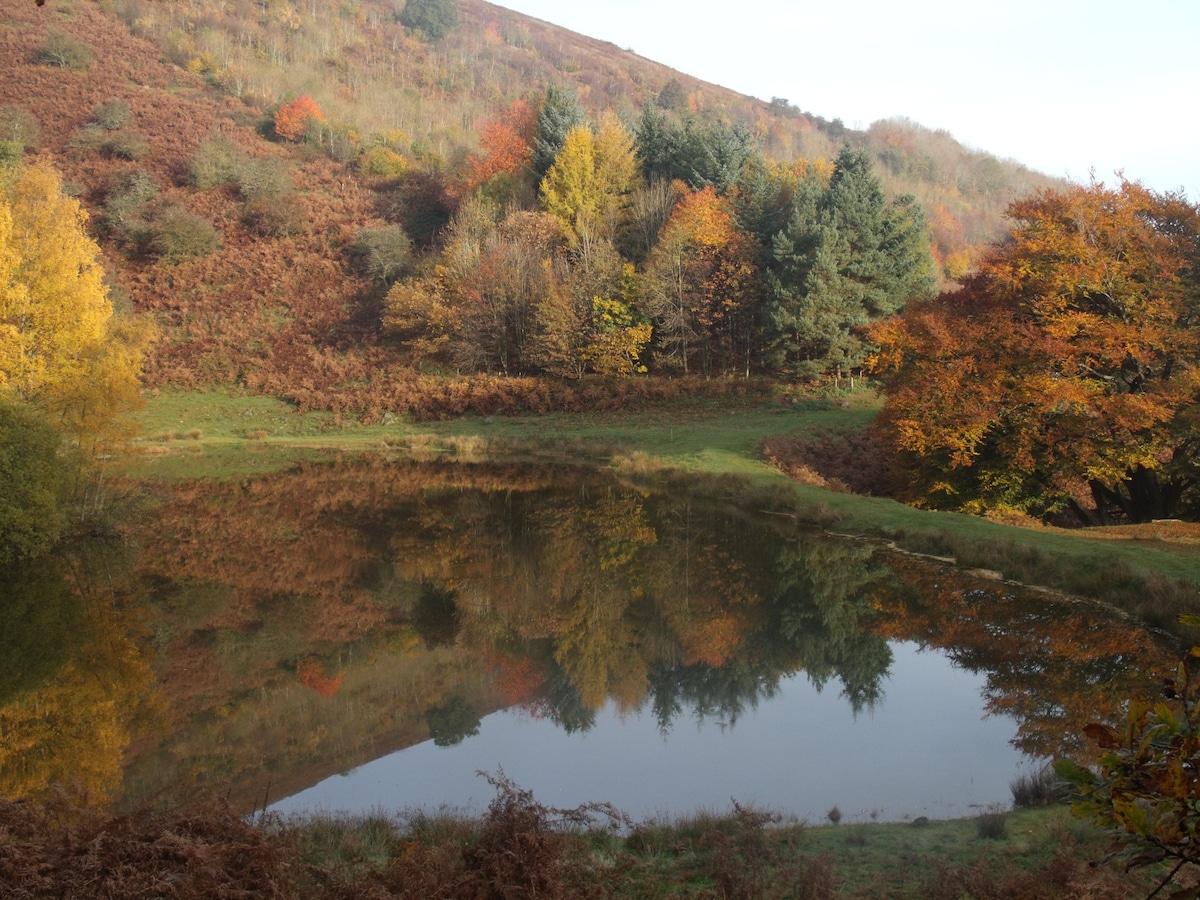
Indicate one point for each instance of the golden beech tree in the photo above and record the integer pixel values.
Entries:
(292, 119)
(1065, 372)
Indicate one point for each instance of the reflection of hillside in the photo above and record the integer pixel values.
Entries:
(312, 620)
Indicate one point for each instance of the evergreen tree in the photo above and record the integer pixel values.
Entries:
(433, 18)
(846, 259)
(560, 114)
(703, 155)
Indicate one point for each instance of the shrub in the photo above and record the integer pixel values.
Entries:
(216, 162)
(125, 201)
(176, 234)
(11, 153)
(111, 115)
(127, 145)
(1034, 789)
(260, 180)
(64, 51)
(992, 823)
(384, 254)
(19, 127)
(382, 162)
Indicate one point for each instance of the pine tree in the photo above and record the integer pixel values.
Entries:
(847, 258)
(560, 114)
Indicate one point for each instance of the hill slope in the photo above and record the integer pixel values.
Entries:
(280, 306)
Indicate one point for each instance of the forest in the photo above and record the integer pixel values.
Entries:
(390, 212)
(443, 208)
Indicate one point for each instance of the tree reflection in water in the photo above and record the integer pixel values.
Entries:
(426, 595)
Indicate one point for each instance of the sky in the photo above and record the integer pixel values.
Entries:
(1066, 87)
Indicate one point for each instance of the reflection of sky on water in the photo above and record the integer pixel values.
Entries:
(926, 750)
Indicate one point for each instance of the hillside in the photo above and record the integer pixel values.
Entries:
(274, 301)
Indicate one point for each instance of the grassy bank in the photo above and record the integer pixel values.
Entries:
(521, 848)
(211, 434)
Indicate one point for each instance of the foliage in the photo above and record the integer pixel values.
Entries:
(127, 145)
(505, 147)
(701, 154)
(31, 484)
(125, 204)
(1143, 788)
(176, 234)
(61, 350)
(433, 18)
(111, 115)
(293, 120)
(846, 259)
(568, 188)
(385, 253)
(452, 721)
(700, 285)
(64, 51)
(53, 304)
(216, 162)
(560, 114)
(1066, 366)
(19, 130)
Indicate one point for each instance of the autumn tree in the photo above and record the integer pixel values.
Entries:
(700, 287)
(502, 286)
(293, 119)
(591, 182)
(846, 259)
(569, 189)
(505, 151)
(1064, 371)
(62, 352)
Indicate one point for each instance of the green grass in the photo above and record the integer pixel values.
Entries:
(744, 854)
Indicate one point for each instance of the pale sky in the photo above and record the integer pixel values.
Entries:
(1063, 86)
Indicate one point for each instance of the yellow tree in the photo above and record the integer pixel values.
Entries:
(569, 188)
(61, 350)
(618, 175)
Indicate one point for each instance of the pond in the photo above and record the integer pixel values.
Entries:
(372, 634)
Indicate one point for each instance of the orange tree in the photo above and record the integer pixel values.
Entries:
(292, 119)
(1064, 373)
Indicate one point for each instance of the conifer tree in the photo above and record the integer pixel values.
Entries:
(847, 258)
(560, 114)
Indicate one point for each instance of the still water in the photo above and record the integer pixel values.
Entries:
(803, 751)
(371, 634)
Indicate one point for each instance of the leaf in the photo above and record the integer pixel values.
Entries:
(1104, 735)
(1071, 771)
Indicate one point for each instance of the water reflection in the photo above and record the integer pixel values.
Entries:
(306, 622)
(75, 680)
